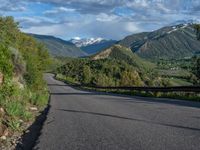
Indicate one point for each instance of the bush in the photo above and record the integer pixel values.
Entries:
(6, 66)
(22, 63)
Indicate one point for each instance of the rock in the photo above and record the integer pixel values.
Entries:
(27, 131)
(2, 129)
(33, 108)
(3, 137)
(14, 142)
(1, 78)
(6, 132)
(21, 121)
(1, 109)
(2, 112)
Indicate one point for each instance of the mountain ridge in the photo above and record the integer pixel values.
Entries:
(59, 47)
(166, 43)
(122, 53)
(85, 41)
(92, 45)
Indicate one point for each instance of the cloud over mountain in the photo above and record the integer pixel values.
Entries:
(98, 18)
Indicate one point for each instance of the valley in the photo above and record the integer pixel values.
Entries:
(99, 74)
(167, 53)
(167, 57)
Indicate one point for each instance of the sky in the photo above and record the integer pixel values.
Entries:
(109, 19)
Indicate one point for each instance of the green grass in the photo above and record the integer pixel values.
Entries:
(40, 99)
(14, 124)
(17, 106)
(15, 109)
(180, 73)
(179, 82)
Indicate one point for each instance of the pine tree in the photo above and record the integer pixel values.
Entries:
(197, 28)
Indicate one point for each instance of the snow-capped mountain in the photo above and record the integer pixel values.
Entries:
(185, 22)
(170, 42)
(181, 24)
(92, 45)
(86, 42)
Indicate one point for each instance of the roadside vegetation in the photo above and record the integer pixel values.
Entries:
(22, 88)
(89, 74)
(179, 71)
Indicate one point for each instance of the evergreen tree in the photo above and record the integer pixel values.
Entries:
(197, 27)
(87, 75)
(130, 78)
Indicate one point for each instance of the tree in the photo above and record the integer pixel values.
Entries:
(44, 57)
(197, 66)
(130, 78)
(197, 28)
(87, 75)
(197, 58)
(6, 66)
(9, 31)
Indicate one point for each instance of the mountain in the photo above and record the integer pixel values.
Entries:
(122, 53)
(85, 42)
(59, 47)
(92, 45)
(96, 47)
(179, 22)
(115, 66)
(170, 42)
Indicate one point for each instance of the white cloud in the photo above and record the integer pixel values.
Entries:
(105, 17)
(27, 22)
(56, 30)
(98, 18)
(131, 27)
(58, 10)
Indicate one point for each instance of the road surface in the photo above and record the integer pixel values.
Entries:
(81, 120)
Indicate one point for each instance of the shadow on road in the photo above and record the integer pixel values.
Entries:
(132, 99)
(29, 139)
(89, 93)
(56, 84)
(130, 119)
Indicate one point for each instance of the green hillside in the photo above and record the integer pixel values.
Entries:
(119, 66)
(59, 47)
(173, 42)
(115, 66)
(22, 62)
(121, 53)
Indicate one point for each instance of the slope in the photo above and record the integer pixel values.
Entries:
(59, 47)
(172, 42)
(121, 53)
(96, 47)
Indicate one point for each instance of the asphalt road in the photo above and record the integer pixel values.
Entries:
(81, 120)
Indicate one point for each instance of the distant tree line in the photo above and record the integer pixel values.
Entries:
(108, 72)
(197, 58)
(197, 27)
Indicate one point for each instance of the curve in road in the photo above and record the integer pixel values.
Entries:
(82, 120)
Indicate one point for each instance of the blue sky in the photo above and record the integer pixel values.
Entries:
(110, 19)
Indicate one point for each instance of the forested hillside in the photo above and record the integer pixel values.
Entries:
(115, 66)
(22, 62)
(59, 47)
(196, 68)
(173, 42)
(119, 66)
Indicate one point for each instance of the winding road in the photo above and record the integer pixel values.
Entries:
(82, 120)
